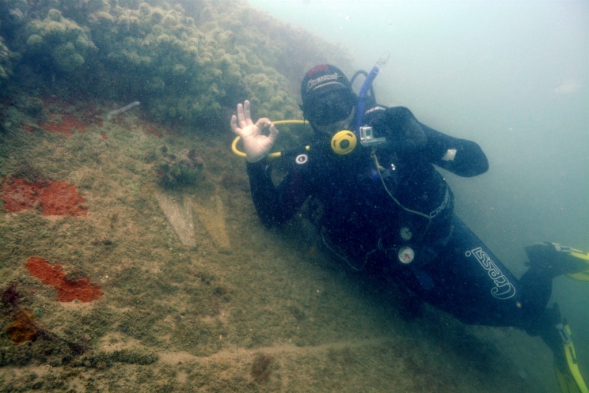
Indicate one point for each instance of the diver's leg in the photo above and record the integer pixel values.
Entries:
(546, 327)
(468, 281)
(536, 289)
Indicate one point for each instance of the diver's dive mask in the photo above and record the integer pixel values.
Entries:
(331, 115)
(330, 107)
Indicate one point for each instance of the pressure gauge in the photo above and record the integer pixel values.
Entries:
(406, 255)
(406, 233)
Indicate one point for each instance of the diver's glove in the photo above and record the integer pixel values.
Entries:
(401, 128)
(255, 144)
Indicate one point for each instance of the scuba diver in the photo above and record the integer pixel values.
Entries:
(378, 202)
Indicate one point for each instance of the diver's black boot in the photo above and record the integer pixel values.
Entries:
(557, 335)
(549, 328)
(554, 260)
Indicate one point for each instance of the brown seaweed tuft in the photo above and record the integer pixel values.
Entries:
(80, 348)
(24, 328)
(10, 296)
(261, 368)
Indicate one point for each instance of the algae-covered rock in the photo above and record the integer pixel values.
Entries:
(203, 66)
(5, 63)
(13, 14)
(62, 39)
(178, 170)
(184, 66)
(31, 106)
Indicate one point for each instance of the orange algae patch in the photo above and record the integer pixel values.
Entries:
(63, 123)
(51, 198)
(27, 128)
(157, 130)
(65, 126)
(67, 290)
(149, 128)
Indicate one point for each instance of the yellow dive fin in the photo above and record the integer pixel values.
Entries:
(583, 257)
(569, 377)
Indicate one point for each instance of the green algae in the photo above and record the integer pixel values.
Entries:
(186, 66)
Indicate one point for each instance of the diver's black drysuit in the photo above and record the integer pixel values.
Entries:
(371, 204)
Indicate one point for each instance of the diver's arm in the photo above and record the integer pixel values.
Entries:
(274, 205)
(407, 135)
(459, 156)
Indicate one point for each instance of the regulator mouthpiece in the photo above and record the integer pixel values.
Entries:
(343, 142)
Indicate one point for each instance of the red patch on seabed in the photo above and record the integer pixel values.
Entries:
(27, 128)
(67, 290)
(52, 198)
(155, 129)
(64, 123)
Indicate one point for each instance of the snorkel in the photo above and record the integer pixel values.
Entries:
(364, 91)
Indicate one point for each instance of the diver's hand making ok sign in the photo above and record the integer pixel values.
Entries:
(255, 144)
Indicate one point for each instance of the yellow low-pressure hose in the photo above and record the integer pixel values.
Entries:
(271, 155)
